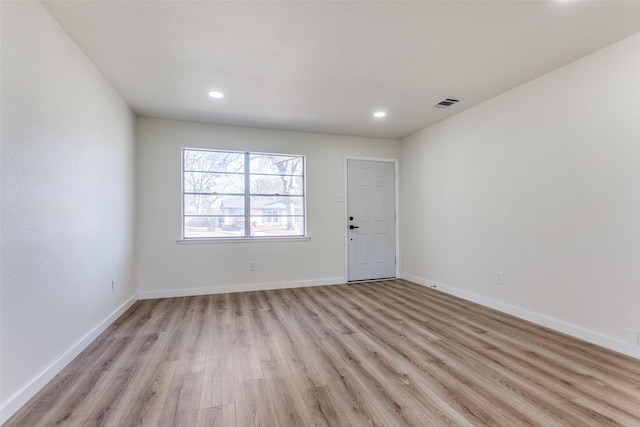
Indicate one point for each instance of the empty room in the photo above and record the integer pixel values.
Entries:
(320, 213)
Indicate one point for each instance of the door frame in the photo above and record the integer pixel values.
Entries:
(346, 211)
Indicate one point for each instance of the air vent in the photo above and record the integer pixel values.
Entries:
(447, 102)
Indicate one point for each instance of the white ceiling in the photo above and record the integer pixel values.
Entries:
(327, 66)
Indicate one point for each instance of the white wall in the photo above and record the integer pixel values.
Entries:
(67, 212)
(168, 268)
(543, 184)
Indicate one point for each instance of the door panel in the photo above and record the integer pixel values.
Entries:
(371, 232)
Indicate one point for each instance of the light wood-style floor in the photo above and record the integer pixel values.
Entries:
(386, 353)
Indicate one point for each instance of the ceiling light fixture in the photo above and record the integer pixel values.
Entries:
(379, 114)
(216, 94)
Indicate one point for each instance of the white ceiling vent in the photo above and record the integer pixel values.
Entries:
(447, 102)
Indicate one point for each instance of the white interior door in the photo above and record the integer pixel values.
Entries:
(371, 219)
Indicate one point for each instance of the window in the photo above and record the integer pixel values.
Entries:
(229, 194)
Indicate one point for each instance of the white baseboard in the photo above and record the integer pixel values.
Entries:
(171, 293)
(565, 328)
(18, 400)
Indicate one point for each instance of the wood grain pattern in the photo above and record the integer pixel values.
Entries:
(387, 353)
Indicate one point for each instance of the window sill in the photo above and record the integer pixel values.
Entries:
(242, 240)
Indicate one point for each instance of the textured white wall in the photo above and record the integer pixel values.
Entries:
(67, 212)
(168, 268)
(543, 184)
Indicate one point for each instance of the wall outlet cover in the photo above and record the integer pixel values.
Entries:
(632, 336)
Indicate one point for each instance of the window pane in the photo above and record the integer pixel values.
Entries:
(272, 184)
(213, 161)
(285, 226)
(207, 182)
(213, 226)
(276, 164)
(277, 216)
(196, 204)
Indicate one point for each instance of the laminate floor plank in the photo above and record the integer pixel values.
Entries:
(219, 416)
(252, 407)
(218, 381)
(182, 404)
(387, 353)
(143, 405)
(324, 409)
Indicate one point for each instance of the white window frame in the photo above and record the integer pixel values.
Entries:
(248, 234)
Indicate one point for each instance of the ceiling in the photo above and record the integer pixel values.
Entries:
(327, 66)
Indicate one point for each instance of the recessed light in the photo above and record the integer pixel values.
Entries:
(216, 94)
(379, 114)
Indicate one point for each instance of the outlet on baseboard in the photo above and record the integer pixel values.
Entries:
(498, 277)
(632, 336)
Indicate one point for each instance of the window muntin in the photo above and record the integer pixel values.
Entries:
(228, 194)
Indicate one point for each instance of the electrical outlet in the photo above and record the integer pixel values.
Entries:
(632, 336)
(252, 266)
(498, 277)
